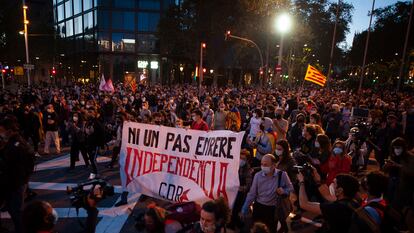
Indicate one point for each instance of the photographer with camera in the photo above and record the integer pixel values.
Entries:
(356, 147)
(88, 200)
(337, 215)
(16, 167)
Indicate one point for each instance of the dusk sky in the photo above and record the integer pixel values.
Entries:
(360, 19)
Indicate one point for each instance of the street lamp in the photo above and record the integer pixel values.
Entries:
(283, 24)
(26, 40)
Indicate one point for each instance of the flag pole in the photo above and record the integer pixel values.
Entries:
(407, 36)
(328, 77)
(361, 78)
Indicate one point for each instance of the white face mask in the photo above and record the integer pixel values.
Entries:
(398, 151)
(279, 152)
(254, 115)
(266, 170)
(317, 145)
(194, 118)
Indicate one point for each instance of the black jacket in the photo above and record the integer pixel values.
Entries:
(50, 116)
(97, 137)
(16, 164)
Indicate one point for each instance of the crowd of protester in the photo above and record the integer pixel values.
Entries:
(345, 157)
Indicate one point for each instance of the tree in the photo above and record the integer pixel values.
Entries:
(386, 42)
(184, 27)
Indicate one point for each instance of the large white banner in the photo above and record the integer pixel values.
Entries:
(180, 165)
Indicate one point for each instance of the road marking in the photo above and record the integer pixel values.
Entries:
(113, 218)
(63, 186)
(64, 162)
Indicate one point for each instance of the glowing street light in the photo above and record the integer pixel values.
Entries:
(283, 24)
(26, 39)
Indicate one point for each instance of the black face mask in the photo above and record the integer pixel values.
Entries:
(278, 116)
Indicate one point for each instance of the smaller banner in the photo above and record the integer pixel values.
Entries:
(180, 165)
(315, 76)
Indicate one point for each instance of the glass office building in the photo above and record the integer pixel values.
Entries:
(111, 37)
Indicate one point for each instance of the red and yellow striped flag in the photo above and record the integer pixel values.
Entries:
(313, 75)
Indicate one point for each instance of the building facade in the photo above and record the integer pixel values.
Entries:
(116, 38)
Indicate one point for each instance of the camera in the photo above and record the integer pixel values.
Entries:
(79, 193)
(307, 170)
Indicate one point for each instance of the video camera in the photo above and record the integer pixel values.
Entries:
(79, 195)
(307, 171)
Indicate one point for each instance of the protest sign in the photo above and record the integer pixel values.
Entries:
(180, 165)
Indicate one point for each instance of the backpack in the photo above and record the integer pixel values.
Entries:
(390, 222)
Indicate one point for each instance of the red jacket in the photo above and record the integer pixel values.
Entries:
(201, 126)
(337, 165)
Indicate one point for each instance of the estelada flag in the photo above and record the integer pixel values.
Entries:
(315, 76)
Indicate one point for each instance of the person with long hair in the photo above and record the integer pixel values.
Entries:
(285, 160)
(323, 156)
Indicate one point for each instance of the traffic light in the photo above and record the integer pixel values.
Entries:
(203, 45)
(53, 71)
(261, 71)
(204, 70)
(3, 71)
(226, 36)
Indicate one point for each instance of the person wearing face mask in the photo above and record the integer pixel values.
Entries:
(337, 214)
(76, 129)
(254, 125)
(244, 110)
(400, 168)
(219, 122)
(265, 190)
(16, 167)
(294, 134)
(50, 126)
(198, 122)
(39, 217)
(340, 162)
(280, 125)
(208, 114)
(245, 179)
(285, 161)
